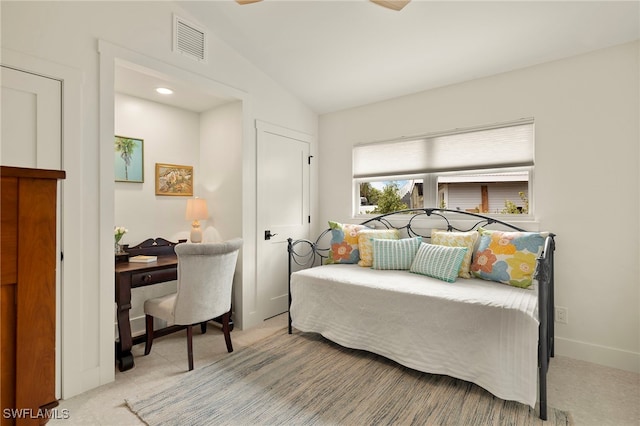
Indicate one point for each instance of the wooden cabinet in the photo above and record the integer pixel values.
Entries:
(28, 293)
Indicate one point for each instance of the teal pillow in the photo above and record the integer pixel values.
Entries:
(394, 254)
(439, 262)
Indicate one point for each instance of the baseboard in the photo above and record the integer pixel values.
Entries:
(603, 355)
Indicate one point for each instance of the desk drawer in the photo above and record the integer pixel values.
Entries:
(152, 277)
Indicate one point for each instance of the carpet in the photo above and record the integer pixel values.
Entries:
(305, 379)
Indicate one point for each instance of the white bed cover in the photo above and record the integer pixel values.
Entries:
(479, 331)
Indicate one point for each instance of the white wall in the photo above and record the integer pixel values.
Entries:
(69, 33)
(221, 180)
(221, 168)
(171, 135)
(586, 183)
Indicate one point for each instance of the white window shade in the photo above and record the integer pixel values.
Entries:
(510, 145)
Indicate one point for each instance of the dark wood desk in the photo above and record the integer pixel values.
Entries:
(130, 275)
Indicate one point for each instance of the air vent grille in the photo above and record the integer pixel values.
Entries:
(189, 39)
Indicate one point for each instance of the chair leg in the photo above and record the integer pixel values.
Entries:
(226, 331)
(190, 346)
(149, 334)
(203, 327)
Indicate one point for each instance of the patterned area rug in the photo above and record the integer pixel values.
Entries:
(305, 379)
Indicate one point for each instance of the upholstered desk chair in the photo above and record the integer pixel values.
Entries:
(205, 277)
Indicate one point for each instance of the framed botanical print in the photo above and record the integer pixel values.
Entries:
(172, 179)
(129, 159)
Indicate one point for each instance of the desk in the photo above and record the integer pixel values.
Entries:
(130, 275)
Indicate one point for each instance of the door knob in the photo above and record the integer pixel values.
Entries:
(268, 234)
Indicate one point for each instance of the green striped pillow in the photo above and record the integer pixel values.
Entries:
(440, 262)
(394, 254)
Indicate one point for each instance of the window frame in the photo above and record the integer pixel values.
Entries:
(430, 179)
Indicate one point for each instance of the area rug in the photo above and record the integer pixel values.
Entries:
(304, 379)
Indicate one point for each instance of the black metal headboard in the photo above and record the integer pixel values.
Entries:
(306, 253)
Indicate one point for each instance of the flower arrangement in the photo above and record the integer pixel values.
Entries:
(118, 232)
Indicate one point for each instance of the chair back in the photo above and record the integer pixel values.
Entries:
(205, 278)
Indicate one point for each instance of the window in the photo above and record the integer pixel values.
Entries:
(498, 193)
(383, 196)
(484, 170)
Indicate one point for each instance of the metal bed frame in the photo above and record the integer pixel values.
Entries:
(305, 253)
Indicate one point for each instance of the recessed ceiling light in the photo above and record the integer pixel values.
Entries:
(164, 91)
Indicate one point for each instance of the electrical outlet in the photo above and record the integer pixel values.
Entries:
(562, 315)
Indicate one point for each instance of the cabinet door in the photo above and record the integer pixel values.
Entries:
(8, 296)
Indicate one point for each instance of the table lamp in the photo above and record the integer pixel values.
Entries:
(196, 210)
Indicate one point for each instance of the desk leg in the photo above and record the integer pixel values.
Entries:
(123, 303)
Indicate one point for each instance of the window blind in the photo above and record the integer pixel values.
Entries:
(505, 145)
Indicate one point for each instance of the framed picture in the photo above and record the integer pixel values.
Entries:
(129, 159)
(172, 179)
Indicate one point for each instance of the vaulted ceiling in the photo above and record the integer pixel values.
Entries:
(339, 54)
(335, 54)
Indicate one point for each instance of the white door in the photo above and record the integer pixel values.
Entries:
(283, 210)
(31, 120)
(32, 137)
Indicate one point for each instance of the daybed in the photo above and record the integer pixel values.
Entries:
(498, 335)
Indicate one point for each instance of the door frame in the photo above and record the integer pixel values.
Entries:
(68, 294)
(110, 56)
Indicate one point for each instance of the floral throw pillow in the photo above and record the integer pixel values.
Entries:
(507, 257)
(365, 245)
(344, 243)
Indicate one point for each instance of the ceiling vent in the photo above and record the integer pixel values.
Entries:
(189, 39)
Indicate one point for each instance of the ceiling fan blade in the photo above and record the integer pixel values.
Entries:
(392, 4)
(389, 4)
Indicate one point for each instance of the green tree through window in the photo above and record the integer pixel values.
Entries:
(390, 200)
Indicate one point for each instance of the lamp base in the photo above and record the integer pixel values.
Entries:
(196, 233)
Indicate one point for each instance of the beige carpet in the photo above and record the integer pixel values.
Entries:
(305, 379)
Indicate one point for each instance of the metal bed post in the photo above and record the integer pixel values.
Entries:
(289, 250)
(544, 276)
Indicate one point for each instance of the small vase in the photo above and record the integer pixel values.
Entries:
(118, 248)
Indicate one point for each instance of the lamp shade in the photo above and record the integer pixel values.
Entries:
(196, 209)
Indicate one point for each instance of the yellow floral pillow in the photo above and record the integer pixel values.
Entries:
(457, 239)
(507, 257)
(366, 246)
